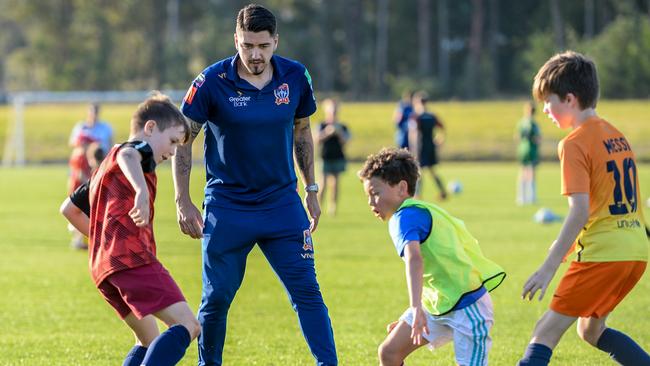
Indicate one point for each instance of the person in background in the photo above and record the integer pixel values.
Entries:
(401, 119)
(93, 127)
(80, 172)
(85, 134)
(529, 138)
(426, 133)
(332, 137)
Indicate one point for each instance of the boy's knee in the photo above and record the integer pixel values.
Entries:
(193, 327)
(589, 334)
(388, 355)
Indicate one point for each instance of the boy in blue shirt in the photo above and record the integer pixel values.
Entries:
(447, 276)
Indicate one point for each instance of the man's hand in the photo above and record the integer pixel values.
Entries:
(189, 219)
(538, 281)
(419, 325)
(140, 211)
(311, 201)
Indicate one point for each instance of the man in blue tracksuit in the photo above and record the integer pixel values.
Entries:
(254, 108)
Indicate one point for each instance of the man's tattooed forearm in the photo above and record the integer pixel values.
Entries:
(183, 160)
(304, 155)
(195, 128)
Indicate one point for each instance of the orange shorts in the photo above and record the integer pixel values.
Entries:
(593, 289)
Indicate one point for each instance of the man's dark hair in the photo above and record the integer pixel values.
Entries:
(392, 166)
(568, 72)
(256, 18)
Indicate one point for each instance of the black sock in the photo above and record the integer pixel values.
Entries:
(135, 356)
(536, 355)
(622, 348)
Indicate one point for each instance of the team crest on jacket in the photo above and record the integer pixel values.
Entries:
(282, 94)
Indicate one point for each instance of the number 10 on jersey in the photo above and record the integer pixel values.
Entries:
(629, 186)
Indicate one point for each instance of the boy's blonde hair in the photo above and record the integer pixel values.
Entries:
(392, 166)
(158, 107)
(568, 72)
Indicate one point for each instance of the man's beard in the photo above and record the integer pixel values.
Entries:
(257, 68)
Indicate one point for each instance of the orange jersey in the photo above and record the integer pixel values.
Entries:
(597, 159)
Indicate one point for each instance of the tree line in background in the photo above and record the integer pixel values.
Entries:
(360, 49)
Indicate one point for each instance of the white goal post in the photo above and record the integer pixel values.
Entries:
(14, 148)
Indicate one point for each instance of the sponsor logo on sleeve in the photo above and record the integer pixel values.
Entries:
(191, 92)
(199, 80)
(189, 96)
(282, 94)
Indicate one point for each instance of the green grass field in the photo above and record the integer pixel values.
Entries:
(51, 314)
(475, 130)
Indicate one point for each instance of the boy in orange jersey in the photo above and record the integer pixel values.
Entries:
(122, 250)
(605, 223)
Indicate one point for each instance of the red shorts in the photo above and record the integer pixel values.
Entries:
(594, 289)
(142, 290)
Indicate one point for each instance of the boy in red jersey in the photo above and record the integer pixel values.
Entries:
(122, 249)
(605, 223)
(80, 172)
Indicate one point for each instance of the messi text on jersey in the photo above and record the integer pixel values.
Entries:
(615, 145)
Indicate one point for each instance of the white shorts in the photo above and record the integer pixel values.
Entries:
(468, 328)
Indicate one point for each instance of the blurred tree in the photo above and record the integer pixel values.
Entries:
(11, 38)
(621, 54)
(589, 19)
(360, 48)
(558, 25)
(424, 38)
(444, 45)
(494, 40)
(475, 48)
(353, 23)
(381, 56)
(325, 61)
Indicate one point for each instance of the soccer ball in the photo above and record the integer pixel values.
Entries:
(545, 216)
(455, 187)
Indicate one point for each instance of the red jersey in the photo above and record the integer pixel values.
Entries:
(79, 169)
(115, 242)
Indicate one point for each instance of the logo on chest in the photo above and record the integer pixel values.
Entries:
(239, 101)
(282, 94)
